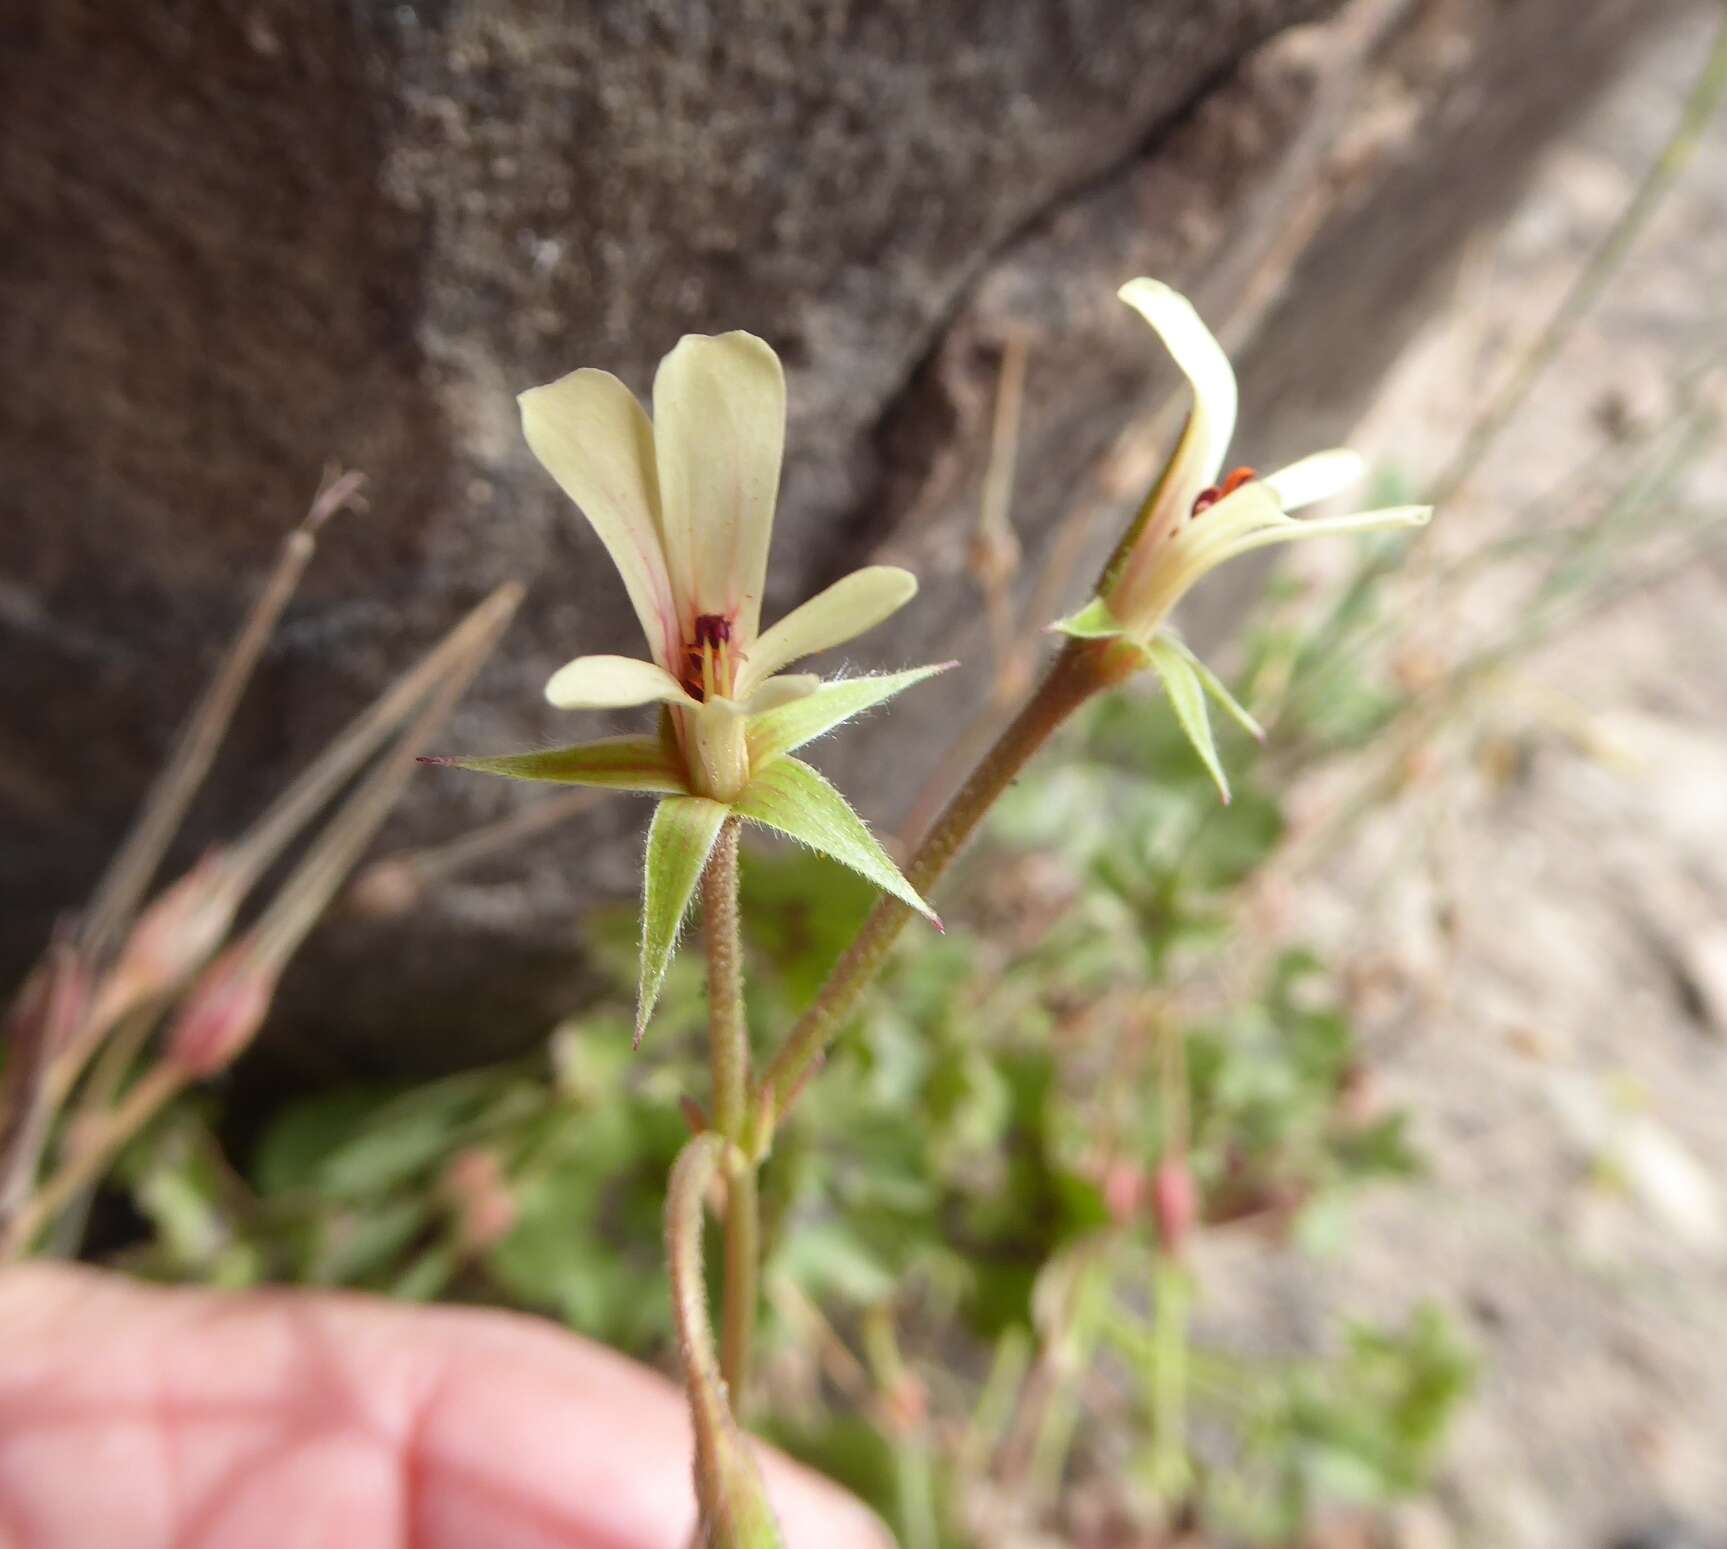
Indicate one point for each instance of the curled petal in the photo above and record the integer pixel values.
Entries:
(842, 612)
(719, 428)
(1199, 458)
(613, 683)
(592, 436)
(1315, 478)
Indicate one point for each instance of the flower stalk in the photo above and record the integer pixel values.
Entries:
(730, 1493)
(1083, 669)
(729, 1057)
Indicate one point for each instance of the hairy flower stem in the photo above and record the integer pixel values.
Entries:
(743, 1251)
(729, 1491)
(1084, 668)
(729, 1055)
(728, 1036)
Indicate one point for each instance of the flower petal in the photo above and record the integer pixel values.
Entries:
(844, 611)
(680, 840)
(792, 798)
(1199, 458)
(1316, 477)
(613, 683)
(1289, 530)
(592, 436)
(776, 732)
(613, 763)
(1133, 591)
(719, 430)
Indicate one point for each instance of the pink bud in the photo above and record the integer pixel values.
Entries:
(478, 1190)
(49, 1007)
(172, 939)
(223, 1012)
(1124, 1190)
(1174, 1203)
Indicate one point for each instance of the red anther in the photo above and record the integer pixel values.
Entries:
(713, 630)
(1209, 497)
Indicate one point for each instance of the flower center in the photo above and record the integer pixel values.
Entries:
(1207, 498)
(710, 658)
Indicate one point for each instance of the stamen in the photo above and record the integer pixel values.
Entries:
(1207, 498)
(709, 666)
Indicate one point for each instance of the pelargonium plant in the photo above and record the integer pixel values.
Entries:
(684, 505)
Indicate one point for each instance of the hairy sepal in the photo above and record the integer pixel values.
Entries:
(680, 840)
(774, 733)
(612, 763)
(793, 799)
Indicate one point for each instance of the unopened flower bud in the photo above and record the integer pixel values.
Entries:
(479, 1194)
(172, 939)
(223, 1012)
(49, 1006)
(1124, 1186)
(1174, 1204)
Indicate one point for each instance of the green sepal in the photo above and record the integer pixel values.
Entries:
(1186, 690)
(680, 840)
(774, 733)
(791, 798)
(614, 763)
(1219, 690)
(1093, 622)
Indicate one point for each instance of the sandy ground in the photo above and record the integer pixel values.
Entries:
(1544, 921)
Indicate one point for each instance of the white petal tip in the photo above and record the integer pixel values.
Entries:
(1138, 291)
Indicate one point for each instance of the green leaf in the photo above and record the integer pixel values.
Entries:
(1218, 690)
(793, 799)
(680, 840)
(615, 763)
(776, 732)
(1093, 622)
(1187, 696)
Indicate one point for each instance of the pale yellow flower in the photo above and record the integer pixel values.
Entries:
(685, 506)
(1195, 519)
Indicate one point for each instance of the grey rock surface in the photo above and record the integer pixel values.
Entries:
(246, 239)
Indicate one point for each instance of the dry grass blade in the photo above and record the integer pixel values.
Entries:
(303, 897)
(396, 882)
(122, 888)
(42, 1016)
